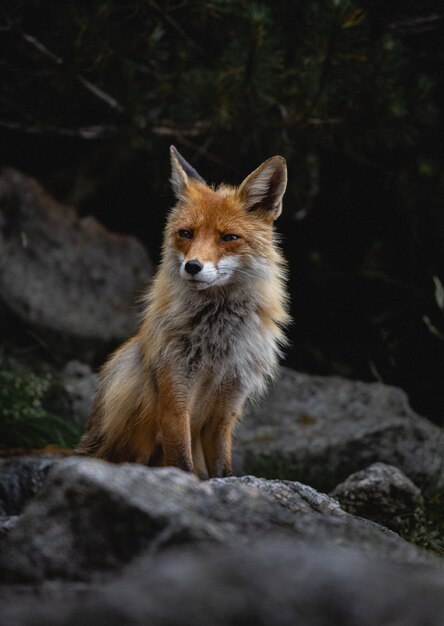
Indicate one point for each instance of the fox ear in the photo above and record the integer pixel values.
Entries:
(264, 188)
(181, 173)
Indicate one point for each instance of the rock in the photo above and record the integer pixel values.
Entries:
(72, 388)
(293, 496)
(320, 430)
(7, 522)
(270, 581)
(383, 494)
(93, 516)
(20, 480)
(67, 278)
(78, 385)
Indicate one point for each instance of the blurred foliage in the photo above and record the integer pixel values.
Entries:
(24, 422)
(427, 528)
(350, 92)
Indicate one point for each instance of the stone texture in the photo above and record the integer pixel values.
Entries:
(383, 494)
(320, 430)
(273, 581)
(67, 278)
(78, 385)
(7, 522)
(294, 496)
(20, 479)
(106, 545)
(93, 516)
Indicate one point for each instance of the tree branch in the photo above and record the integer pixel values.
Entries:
(104, 132)
(168, 129)
(97, 92)
(176, 27)
(83, 132)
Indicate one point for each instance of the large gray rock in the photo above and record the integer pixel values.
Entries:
(20, 480)
(383, 494)
(69, 279)
(93, 516)
(268, 582)
(320, 430)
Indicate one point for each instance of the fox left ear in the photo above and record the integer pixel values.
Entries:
(181, 173)
(264, 188)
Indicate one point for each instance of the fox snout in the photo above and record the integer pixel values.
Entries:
(202, 274)
(193, 267)
(199, 274)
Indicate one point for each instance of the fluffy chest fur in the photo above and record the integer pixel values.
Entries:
(222, 335)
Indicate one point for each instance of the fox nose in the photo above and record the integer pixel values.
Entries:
(193, 267)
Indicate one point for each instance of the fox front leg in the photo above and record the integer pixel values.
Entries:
(217, 431)
(174, 423)
(217, 444)
(218, 428)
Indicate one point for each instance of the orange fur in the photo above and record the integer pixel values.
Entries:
(172, 393)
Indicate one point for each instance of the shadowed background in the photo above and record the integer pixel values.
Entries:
(350, 93)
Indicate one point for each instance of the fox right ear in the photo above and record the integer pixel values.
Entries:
(181, 173)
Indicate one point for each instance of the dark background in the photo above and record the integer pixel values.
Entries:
(351, 93)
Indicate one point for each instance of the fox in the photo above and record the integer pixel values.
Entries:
(212, 330)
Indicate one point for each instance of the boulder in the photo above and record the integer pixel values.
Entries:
(71, 388)
(383, 494)
(92, 516)
(269, 582)
(76, 385)
(319, 430)
(68, 279)
(20, 480)
(6, 523)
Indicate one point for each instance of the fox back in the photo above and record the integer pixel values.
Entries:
(212, 329)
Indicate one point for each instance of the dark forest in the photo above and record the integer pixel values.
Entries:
(351, 95)
(92, 96)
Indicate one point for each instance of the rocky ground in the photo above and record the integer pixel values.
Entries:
(87, 542)
(107, 544)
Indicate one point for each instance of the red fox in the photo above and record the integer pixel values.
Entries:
(212, 329)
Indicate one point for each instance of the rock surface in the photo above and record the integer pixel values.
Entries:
(273, 581)
(78, 385)
(93, 516)
(102, 544)
(20, 480)
(383, 494)
(7, 522)
(68, 279)
(320, 430)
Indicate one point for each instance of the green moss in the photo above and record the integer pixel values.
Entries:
(427, 528)
(274, 464)
(24, 421)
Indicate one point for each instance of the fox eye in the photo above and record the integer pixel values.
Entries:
(229, 237)
(186, 234)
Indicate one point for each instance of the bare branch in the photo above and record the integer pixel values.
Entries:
(42, 48)
(176, 26)
(83, 132)
(102, 95)
(328, 121)
(419, 24)
(104, 132)
(110, 101)
(208, 155)
(167, 129)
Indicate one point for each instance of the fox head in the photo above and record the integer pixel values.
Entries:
(220, 236)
